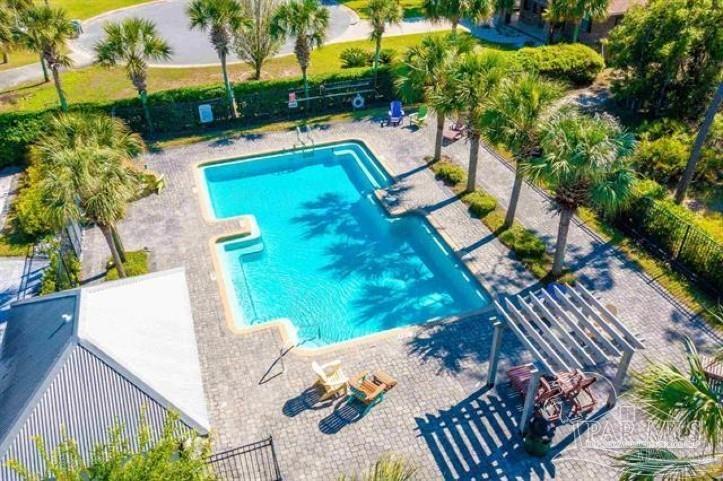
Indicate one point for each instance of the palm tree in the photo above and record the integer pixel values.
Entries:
(429, 65)
(87, 173)
(513, 119)
(255, 43)
(455, 11)
(221, 18)
(584, 163)
(710, 114)
(574, 11)
(682, 403)
(46, 31)
(306, 20)
(133, 42)
(474, 79)
(381, 13)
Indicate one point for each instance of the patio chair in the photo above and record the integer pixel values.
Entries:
(330, 378)
(419, 118)
(396, 113)
(575, 387)
(454, 131)
(370, 388)
(546, 397)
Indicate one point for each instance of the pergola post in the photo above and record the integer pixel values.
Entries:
(620, 376)
(495, 351)
(530, 398)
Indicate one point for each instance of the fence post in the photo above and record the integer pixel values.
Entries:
(682, 242)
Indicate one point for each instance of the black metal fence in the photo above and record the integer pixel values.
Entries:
(688, 249)
(252, 462)
(272, 104)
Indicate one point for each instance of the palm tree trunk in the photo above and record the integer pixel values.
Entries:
(377, 49)
(46, 77)
(6, 57)
(118, 243)
(257, 71)
(227, 86)
(108, 234)
(558, 264)
(698, 145)
(439, 137)
(306, 86)
(146, 111)
(514, 198)
(473, 159)
(59, 88)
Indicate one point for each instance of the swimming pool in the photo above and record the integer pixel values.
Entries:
(325, 254)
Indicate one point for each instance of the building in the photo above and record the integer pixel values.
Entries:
(591, 31)
(79, 362)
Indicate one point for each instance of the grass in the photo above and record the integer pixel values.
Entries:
(83, 9)
(113, 84)
(136, 264)
(18, 58)
(412, 8)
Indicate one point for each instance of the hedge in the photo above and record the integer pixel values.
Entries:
(575, 63)
(675, 230)
(177, 110)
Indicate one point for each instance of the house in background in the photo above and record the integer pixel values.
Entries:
(591, 31)
(79, 362)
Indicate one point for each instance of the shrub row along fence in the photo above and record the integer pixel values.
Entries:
(281, 102)
(687, 247)
(177, 111)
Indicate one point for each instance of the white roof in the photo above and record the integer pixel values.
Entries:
(144, 325)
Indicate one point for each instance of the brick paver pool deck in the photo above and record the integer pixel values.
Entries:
(439, 416)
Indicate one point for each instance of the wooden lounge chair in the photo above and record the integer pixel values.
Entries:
(330, 378)
(453, 131)
(370, 388)
(546, 397)
(575, 387)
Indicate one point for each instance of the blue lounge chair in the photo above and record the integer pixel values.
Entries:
(396, 113)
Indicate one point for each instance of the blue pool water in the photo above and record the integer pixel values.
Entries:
(328, 258)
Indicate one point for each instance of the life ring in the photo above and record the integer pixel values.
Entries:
(357, 102)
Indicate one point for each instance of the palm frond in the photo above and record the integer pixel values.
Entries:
(649, 464)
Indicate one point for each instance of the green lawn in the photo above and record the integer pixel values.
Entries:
(412, 8)
(76, 9)
(19, 58)
(113, 84)
(82, 9)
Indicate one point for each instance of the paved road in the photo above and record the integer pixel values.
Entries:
(191, 47)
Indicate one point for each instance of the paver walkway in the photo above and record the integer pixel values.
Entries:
(439, 416)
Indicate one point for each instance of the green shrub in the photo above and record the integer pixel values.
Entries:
(136, 264)
(387, 56)
(449, 173)
(575, 63)
(523, 242)
(663, 159)
(480, 203)
(669, 224)
(63, 271)
(28, 211)
(647, 188)
(354, 57)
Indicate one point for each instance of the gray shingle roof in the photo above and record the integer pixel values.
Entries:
(82, 361)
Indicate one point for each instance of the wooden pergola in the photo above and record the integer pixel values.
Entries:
(564, 328)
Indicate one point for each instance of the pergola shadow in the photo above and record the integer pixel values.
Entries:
(479, 438)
